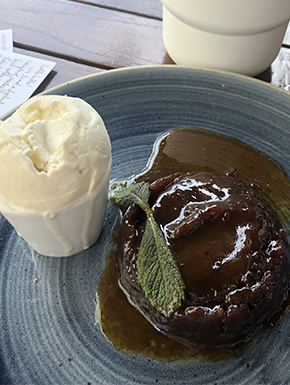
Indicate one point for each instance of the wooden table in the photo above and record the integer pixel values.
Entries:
(88, 36)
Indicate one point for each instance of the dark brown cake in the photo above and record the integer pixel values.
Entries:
(231, 251)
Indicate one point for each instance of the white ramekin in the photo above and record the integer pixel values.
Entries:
(68, 231)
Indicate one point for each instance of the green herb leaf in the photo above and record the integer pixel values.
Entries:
(158, 272)
(123, 196)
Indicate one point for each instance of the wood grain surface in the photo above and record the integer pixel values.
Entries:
(150, 8)
(90, 34)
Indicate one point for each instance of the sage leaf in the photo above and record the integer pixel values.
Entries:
(123, 196)
(158, 272)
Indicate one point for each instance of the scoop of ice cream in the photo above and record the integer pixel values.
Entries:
(53, 150)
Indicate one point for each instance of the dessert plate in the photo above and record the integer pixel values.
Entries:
(48, 333)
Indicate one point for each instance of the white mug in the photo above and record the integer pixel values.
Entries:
(242, 36)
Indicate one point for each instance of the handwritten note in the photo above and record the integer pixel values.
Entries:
(6, 40)
(20, 75)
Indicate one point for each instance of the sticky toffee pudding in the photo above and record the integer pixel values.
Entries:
(231, 251)
(226, 238)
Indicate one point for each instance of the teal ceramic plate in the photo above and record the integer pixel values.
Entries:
(47, 330)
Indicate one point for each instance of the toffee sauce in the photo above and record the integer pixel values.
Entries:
(183, 150)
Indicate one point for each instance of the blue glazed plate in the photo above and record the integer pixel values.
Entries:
(48, 333)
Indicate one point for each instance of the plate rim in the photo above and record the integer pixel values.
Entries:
(121, 70)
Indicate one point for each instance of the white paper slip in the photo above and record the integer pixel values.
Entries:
(6, 40)
(20, 75)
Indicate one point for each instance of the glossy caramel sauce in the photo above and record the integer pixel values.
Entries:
(183, 150)
(211, 254)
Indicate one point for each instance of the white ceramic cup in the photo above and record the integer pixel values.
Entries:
(67, 231)
(241, 36)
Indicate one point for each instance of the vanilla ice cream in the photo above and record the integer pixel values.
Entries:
(55, 163)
